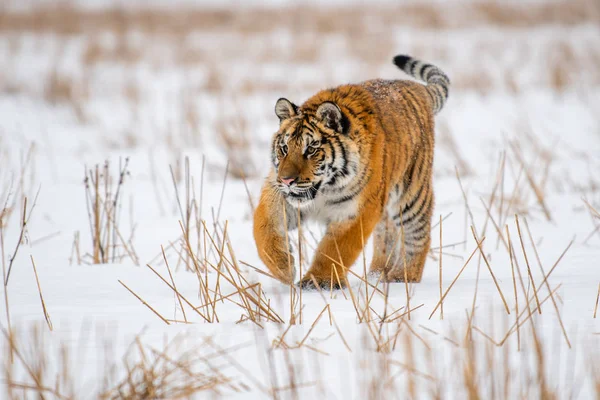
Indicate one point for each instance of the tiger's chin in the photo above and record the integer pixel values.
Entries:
(303, 198)
(299, 202)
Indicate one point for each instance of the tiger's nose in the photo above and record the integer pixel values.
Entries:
(288, 180)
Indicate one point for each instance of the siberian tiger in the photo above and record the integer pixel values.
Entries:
(358, 158)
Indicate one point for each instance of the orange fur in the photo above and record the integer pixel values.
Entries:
(385, 132)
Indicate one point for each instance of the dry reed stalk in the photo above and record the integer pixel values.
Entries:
(145, 303)
(339, 282)
(239, 366)
(221, 253)
(33, 374)
(449, 340)
(174, 287)
(514, 198)
(512, 267)
(405, 271)
(313, 326)
(443, 219)
(527, 263)
(258, 270)
(246, 296)
(520, 322)
(365, 277)
(355, 303)
(541, 379)
(159, 374)
(491, 272)
(517, 324)
(501, 205)
(365, 281)
(24, 221)
(389, 319)
(592, 210)
(300, 260)
(3, 215)
(103, 202)
(280, 341)
(467, 206)
(412, 390)
(384, 317)
(75, 249)
(44, 309)
(330, 314)
(456, 278)
(184, 216)
(562, 326)
(468, 331)
(252, 295)
(413, 370)
(470, 371)
(222, 191)
(290, 267)
(442, 303)
(485, 335)
(597, 300)
(180, 296)
(203, 283)
(594, 214)
(497, 182)
(536, 190)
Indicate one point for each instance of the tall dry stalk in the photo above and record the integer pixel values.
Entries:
(104, 195)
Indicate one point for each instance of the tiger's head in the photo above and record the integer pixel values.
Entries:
(312, 152)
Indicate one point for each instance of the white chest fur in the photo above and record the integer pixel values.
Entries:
(325, 213)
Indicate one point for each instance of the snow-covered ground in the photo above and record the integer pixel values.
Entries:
(520, 130)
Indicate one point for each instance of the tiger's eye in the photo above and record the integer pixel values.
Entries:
(284, 149)
(311, 150)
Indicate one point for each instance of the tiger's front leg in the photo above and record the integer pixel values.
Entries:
(270, 234)
(339, 249)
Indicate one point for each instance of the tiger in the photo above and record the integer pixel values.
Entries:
(357, 158)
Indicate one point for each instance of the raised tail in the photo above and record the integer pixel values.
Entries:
(437, 82)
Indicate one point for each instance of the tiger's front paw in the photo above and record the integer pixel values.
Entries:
(285, 275)
(400, 275)
(308, 283)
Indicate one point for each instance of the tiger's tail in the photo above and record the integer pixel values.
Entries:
(437, 82)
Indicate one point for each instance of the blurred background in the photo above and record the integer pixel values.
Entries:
(82, 82)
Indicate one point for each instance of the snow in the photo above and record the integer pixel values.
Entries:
(96, 319)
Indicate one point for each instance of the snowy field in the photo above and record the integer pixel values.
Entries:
(133, 144)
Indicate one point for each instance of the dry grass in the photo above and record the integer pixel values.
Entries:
(66, 20)
(417, 361)
(205, 248)
(208, 253)
(103, 200)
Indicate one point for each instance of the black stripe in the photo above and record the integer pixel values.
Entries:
(410, 205)
(431, 69)
(420, 71)
(413, 105)
(418, 226)
(414, 241)
(344, 199)
(416, 214)
(412, 66)
(344, 157)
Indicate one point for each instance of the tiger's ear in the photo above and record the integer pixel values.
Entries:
(331, 115)
(285, 109)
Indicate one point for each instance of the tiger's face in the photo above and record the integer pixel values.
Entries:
(311, 152)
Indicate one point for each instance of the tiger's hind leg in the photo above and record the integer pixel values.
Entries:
(383, 248)
(413, 227)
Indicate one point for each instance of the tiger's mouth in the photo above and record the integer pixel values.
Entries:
(302, 194)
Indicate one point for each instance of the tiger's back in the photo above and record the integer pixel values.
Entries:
(371, 174)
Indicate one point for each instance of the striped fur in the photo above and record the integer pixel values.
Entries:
(437, 81)
(359, 159)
